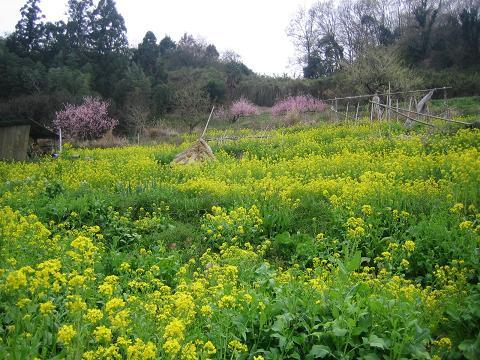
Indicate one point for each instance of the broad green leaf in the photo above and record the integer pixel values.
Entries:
(281, 340)
(339, 331)
(319, 351)
(354, 263)
(371, 356)
(375, 341)
(470, 348)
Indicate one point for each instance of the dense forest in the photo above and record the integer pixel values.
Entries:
(343, 48)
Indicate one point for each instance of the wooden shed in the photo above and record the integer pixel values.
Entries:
(16, 136)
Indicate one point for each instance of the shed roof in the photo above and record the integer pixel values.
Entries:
(37, 130)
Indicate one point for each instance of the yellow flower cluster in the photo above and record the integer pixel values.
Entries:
(236, 226)
(73, 284)
(65, 334)
(236, 345)
(355, 227)
(141, 351)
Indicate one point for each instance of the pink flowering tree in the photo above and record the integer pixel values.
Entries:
(86, 121)
(221, 113)
(298, 104)
(243, 107)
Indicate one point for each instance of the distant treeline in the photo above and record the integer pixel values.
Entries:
(44, 65)
(369, 44)
(343, 48)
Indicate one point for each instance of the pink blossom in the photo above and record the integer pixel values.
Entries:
(243, 107)
(86, 121)
(220, 113)
(301, 104)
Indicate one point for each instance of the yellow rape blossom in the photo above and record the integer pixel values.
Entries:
(16, 279)
(171, 347)
(466, 225)
(236, 345)
(114, 304)
(75, 303)
(65, 334)
(93, 315)
(404, 263)
(189, 352)
(123, 341)
(24, 302)
(206, 310)
(409, 245)
(367, 210)
(227, 301)
(125, 266)
(120, 320)
(443, 342)
(175, 329)
(47, 308)
(209, 348)
(141, 351)
(102, 334)
(458, 207)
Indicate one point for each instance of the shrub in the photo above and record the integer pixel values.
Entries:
(192, 105)
(221, 113)
(86, 121)
(243, 107)
(298, 104)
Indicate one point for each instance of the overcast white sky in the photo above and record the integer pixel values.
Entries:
(254, 29)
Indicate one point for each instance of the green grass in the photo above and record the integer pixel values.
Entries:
(461, 106)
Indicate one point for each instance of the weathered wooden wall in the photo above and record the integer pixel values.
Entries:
(14, 142)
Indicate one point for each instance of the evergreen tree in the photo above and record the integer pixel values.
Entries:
(160, 75)
(166, 45)
(79, 26)
(109, 48)
(235, 71)
(54, 44)
(147, 53)
(470, 26)
(109, 34)
(211, 52)
(28, 36)
(133, 95)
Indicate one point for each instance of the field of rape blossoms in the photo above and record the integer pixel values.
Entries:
(332, 242)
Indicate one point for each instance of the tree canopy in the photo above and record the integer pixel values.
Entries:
(433, 34)
(89, 54)
(342, 47)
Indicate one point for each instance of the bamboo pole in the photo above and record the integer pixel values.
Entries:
(59, 140)
(395, 93)
(223, 138)
(346, 112)
(438, 117)
(409, 107)
(389, 101)
(396, 114)
(430, 116)
(336, 109)
(336, 112)
(332, 108)
(356, 113)
(447, 109)
(408, 117)
(208, 121)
